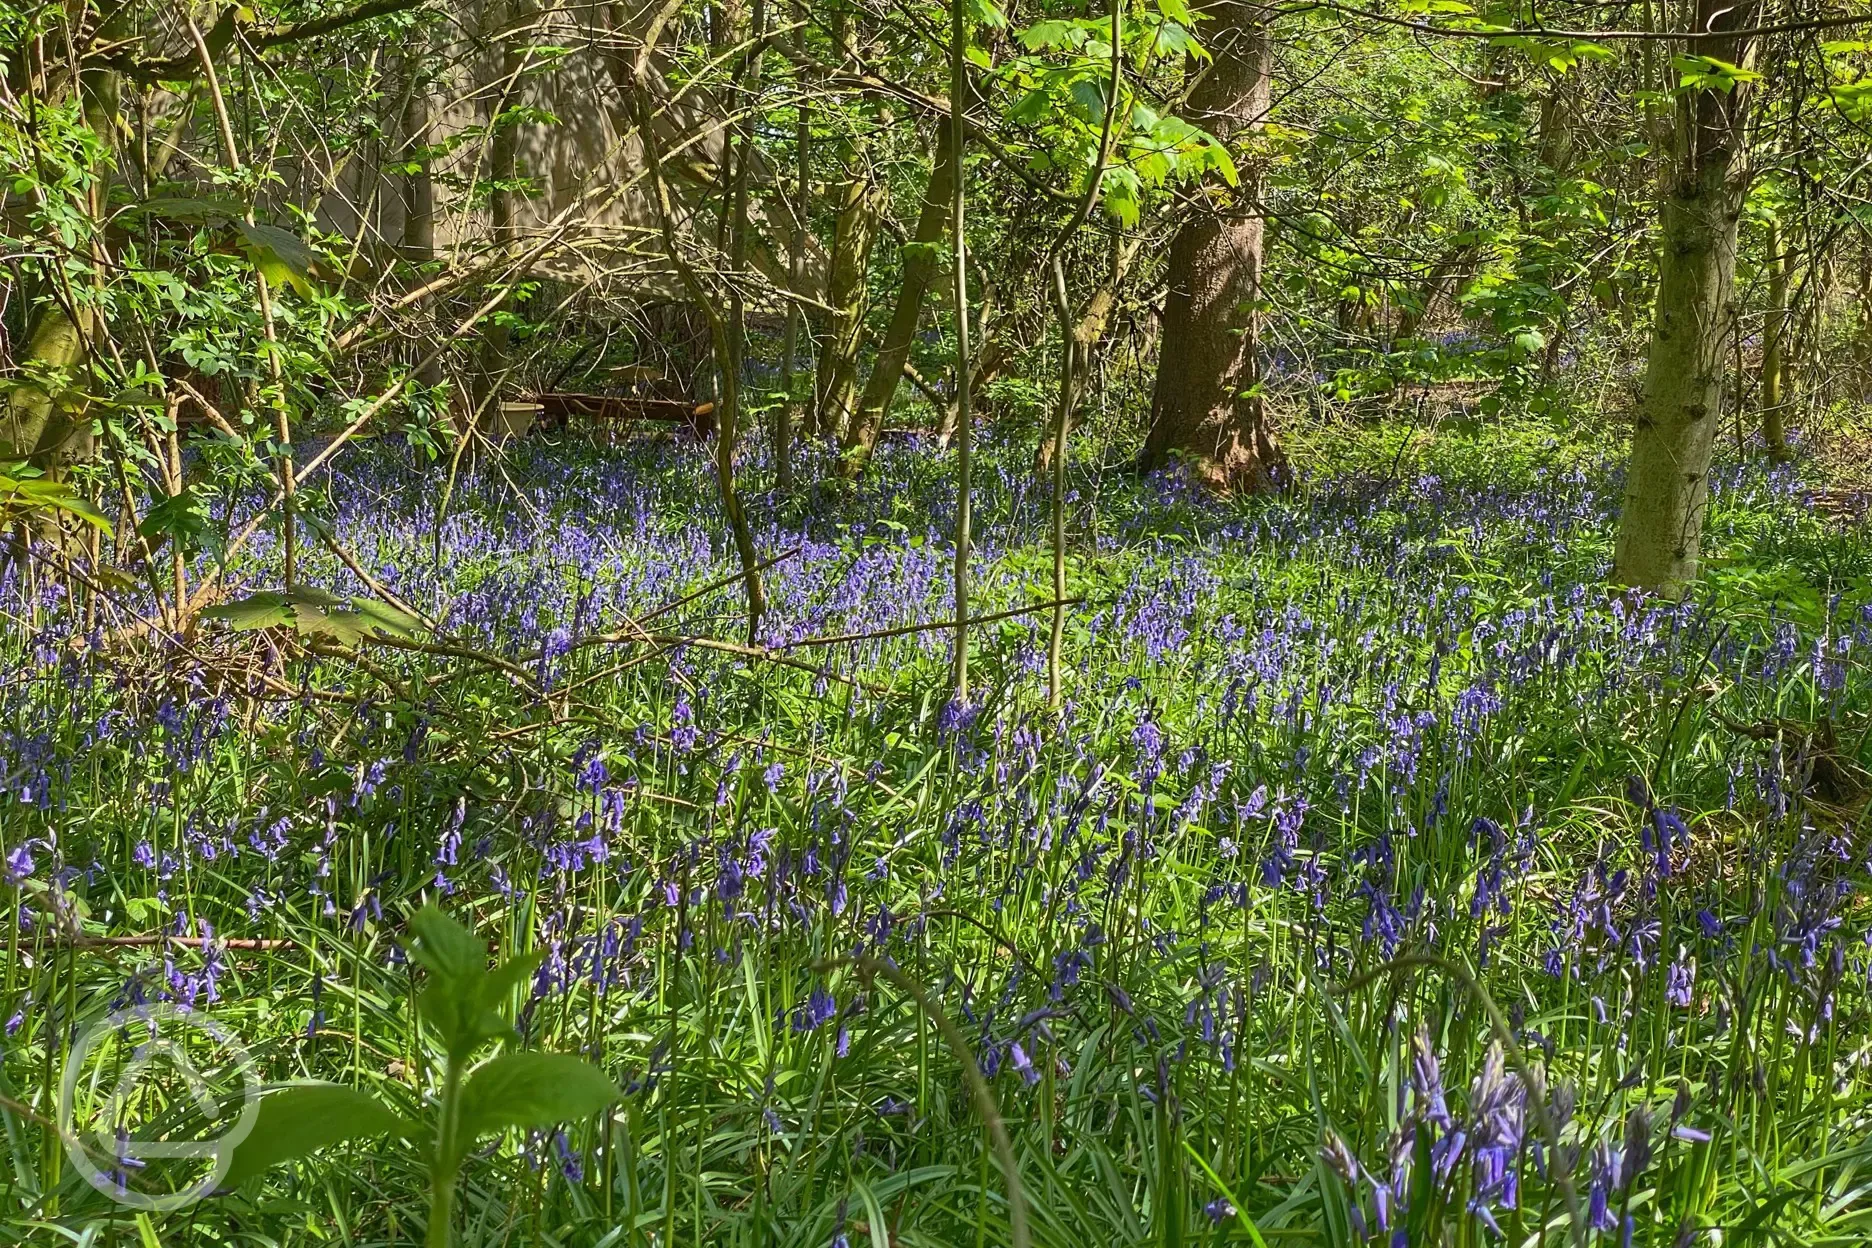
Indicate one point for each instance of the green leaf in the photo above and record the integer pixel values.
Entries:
(190, 211)
(280, 255)
(1089, 94)
(1174, 41)
(445, 947)
(1121, 196)
(183, 517)
(452, 1001)
(985, 13)
(1030, 108)
(503, 979)
(265, 609)
(315, 613)
(24, 490)
(1707, 73)
(1052, 34)
(531, 1090)
(383, 620)
(304, 1118)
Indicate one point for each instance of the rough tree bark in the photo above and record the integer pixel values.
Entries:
(919, 269)
(1705, 181)
(1206, 409)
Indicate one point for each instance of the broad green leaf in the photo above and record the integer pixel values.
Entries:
(509, 975)
(265, 609)
(383, 620)
(452, 1001)
(191, 211)
(315, 613)
(1089, 95)
(280, 255)
(532, 1090)
(1708, 73)
(1121, 196)
(38, 494)
(183, 517)
(1052, 34)
(1030, 108)
(985, 13)
(303, 1118)
(445, 947)
(341, 625)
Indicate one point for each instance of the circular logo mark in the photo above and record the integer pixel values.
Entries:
(156, 1083)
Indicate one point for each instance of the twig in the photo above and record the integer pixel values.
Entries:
(907, 629)
(875, 968)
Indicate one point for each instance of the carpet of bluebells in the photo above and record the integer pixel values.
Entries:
(1384, 877)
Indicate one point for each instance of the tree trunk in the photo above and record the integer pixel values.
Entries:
(1206, 409)
(1774, 350)
(1085, 330)
(1667, 483)
(860, 208)
(34, 428)
(796, 252)
(919, 269)
(494, 364)
(419, 204)
(958, 268)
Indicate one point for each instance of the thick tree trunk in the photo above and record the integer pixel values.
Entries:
(34, 427)
(861, 206)
(1667, 484)
(38, 424)
(1206, 409)
(919, 269)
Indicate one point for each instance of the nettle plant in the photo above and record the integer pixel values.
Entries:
(469, 1007)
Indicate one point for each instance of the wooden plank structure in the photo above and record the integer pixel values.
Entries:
(559, 409)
